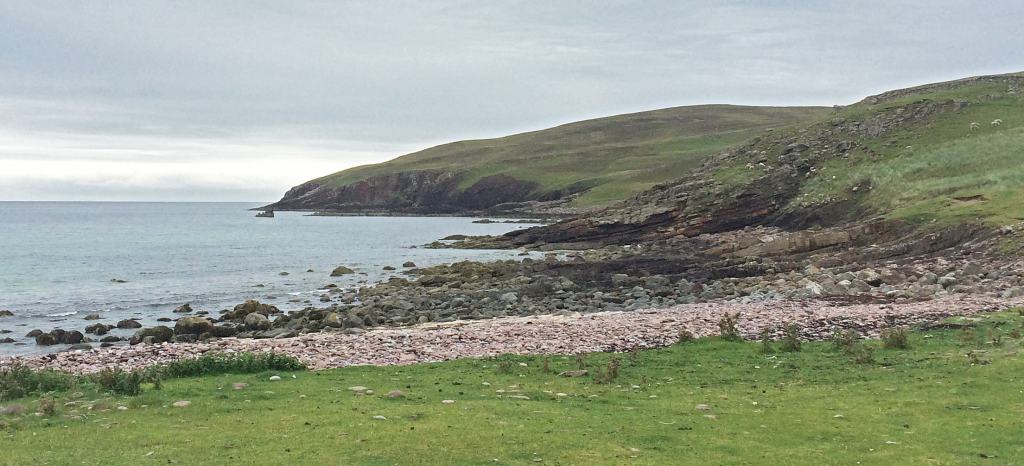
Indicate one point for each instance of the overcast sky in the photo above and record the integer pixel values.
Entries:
(213, 100)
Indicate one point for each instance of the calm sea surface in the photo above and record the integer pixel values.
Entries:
(57, 259)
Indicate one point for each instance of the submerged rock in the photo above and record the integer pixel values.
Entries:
(129, 323)
(341, 270)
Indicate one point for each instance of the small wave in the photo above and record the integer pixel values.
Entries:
(62, 314)
(295, 293)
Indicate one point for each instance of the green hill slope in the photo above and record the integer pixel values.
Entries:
(934, 156)
(607, 160)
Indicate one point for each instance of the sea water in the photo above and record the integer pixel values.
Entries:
(62, 261)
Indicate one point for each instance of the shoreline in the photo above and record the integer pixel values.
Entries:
(617, 331)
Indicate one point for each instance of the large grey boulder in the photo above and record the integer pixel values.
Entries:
(256, 321)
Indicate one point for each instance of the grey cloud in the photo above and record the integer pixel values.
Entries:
(378, 75)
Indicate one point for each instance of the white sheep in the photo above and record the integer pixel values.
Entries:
(975, 126)
(997, 122)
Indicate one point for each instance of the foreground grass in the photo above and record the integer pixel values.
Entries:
(926, 405)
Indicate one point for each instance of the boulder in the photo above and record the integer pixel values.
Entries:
(187, 307)
(890, 277)
(6, 313)
(947, 281)
(509, 297)
(222, 331)
(80, 346)
(972, 269)
(256, 321)
(158, 334)
(34, 333)
(98, 329)
(93, 317)
(333, 320)
(15, 409)
(46, 339)
(870, 276)
(73, 337)
(813, 290)
(6, 340)
(129, 323)
(409, 264)
(249, 307)
(185, 338)
(341, 270)
(192, 326)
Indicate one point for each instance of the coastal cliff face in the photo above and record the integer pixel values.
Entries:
(410, 192)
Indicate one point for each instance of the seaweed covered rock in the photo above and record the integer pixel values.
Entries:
(129, 323)
(158, 334)
(251, 306)
(192, 326)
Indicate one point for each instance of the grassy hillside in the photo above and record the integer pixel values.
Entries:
(939, 169)
(616, 157)
(706, 401)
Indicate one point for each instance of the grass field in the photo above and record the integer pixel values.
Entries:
(929, 404)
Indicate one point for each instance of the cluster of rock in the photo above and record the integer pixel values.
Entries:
(581, 283)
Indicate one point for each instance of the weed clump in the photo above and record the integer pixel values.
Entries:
(995, 337)
(766, 340)
(119, 381)
(47, 406)
(727, 327)
(581, 362)
(845, 341)
(862, 354)
(227, 363)
(791, 339)
(611, 371)
(545, 368)
(967, 336)
(895, 338)
(19, 380)
(634, 357)
(685, 336)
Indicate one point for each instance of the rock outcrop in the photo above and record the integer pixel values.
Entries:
(410, 192)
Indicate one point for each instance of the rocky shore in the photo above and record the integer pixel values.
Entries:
(730, 270)
(545, 334)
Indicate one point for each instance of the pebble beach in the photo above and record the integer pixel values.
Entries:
(542, 334)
